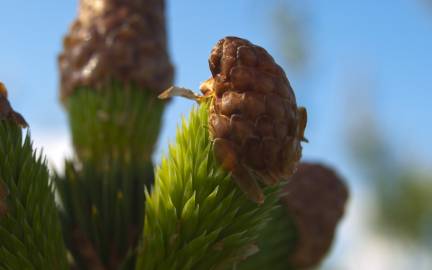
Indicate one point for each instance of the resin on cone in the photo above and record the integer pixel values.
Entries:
(315, 198)
(113, 40)
(254, 120)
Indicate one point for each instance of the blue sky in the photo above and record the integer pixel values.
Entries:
(363, 55)
(387, 42)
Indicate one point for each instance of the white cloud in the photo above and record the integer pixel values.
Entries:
(55, 144)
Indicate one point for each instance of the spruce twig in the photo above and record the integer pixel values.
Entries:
(196, 216)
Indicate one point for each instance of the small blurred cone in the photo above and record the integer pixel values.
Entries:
(124, 41)
(315, 198)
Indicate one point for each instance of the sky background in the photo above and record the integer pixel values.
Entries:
(372, 55)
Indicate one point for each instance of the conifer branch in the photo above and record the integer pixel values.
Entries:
(30, 233)
(196, 215)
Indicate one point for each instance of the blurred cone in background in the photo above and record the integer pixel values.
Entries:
(116, 48)
(113, 66)
(315, 199)
(303, 227)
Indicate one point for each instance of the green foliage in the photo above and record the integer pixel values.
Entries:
(404, 206)
(105, 208)
(196, 216)
(30, 233)
(402, 191)
(114, 130)
(115, 122)
(276, 243)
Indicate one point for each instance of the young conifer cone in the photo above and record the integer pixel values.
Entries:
(315, 198)
(122, 40)
(254, 119)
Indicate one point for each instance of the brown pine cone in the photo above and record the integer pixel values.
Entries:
(315, 198)
(6, 110)
(122, 40)
(254, 119)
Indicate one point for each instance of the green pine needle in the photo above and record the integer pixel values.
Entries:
(114, 130)
(30, 233)
(115, 122)
(104, 207)
(196, 216)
